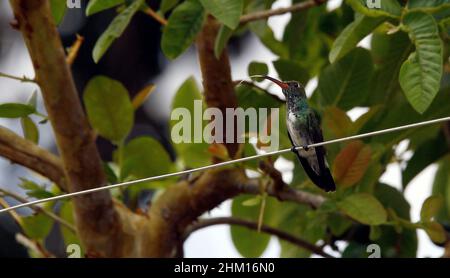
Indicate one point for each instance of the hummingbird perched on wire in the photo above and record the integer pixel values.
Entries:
(304, 129)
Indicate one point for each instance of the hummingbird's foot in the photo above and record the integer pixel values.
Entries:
(305, 148)
(294, 149)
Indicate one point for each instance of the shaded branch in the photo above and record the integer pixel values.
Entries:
(280, 11)
(204, 223)
(30, 155)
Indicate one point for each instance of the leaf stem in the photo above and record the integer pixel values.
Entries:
(150, 12)
(260, 15)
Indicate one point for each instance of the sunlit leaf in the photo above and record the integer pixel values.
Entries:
(109, 108)
(420, 75)
(15, 110)
(364, 208)
(431, 207)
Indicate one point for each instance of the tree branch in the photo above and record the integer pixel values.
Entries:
(204, 223)
(30, 155)
(97, 221)
(273, 12)
(216, 73)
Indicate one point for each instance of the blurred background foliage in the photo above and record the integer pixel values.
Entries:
(403, 78)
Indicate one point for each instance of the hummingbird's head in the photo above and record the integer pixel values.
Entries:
(293, 88)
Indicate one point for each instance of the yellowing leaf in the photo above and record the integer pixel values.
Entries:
(431, 207)
(351, 164)
(435, 231)
(142, 96)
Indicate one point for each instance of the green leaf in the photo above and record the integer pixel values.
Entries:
(441, 187)
(222, 39)
(95, 6)
(393, 243)
(115, 30)
(420, 75)
(364, 208)
(109, 108)
(361, 27)
(249, 243)
(345, 83)
(190, 154)
(427, 153)
(30, 130)
(429, 6)
(303, 223)
(257, 68)
(291, 70)
(59, 8)
(66, 213)
(36, 226)
(351, 164)
(431, 207)
(34, 190)
(145, 157)
(227, 12)
(15, 110)
(338, 224)
(389, 52)
(435, 231)
(167, 5)
(390, 8)
(182, 27)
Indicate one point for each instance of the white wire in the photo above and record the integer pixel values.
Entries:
(128, 183)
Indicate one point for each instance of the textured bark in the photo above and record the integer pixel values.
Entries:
(217, 82)
(97, 221)
(28, 154)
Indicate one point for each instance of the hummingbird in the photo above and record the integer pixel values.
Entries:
(304, 129)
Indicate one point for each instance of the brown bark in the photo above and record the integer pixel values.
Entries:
(28, 154)
(97, 221)
(217, 82)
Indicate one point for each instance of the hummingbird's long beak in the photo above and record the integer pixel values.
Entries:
(278, 82)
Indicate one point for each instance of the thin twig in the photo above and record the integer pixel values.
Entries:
(74, 49)
(203, 223)
(39, 209)
(13, 213)
(149, 11)
(273, 12)
(252, 84)
(21, 79)
(231, 162)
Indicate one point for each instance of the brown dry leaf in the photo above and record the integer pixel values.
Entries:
(351, 164)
